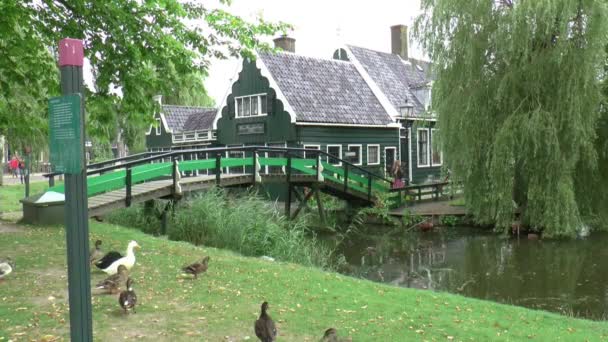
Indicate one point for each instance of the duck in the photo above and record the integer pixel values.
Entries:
(128, 298)
(264, 326)
(331, 335)
(110, 262)
(96, 252)
(6, 267)
(197, 267)
(112, 283)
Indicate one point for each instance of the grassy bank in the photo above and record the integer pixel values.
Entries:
(11, 194)
(222, 305)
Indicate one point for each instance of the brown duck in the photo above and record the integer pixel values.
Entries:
(113, 282)
(96, 253)
(265, 329)
(128, 298)
(331, 335)
(197, 267)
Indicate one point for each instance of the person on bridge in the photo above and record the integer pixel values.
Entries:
(397, 175)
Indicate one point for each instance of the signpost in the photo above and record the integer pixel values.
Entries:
(66, 127)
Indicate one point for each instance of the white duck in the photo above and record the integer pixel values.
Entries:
(6, 267)
(110, 262)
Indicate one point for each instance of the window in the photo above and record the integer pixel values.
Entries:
(246, 107)
(373, 154)
(335, 150)
(423, 147)
(311, 155)
(275, 169)
(436, 157)
(253, 105)
(157, 126)
(353, 155)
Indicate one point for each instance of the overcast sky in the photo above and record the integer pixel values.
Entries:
(316, 26)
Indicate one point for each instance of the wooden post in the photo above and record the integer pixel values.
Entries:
(303, 204)
(71, 57)
(369, 187)
(128, 184)
(345, 177)
(218, 169)
(319, 204)
(51, 181)
(289, 188)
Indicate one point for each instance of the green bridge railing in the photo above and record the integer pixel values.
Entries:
(151, 167)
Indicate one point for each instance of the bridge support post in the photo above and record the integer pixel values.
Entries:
(218, 169)
(303, 203)
(289, 187)
(319, 204)
(128, 182)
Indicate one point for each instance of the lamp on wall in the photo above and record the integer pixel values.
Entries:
(407, 110)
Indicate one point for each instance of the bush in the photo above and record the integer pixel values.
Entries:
(143, 217)
(248, 225)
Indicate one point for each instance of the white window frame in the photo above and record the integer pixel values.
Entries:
(227, 155)
(339, 157)
(259, 96)
(394, 148)
(158, 124)
(378, 154)
(318, 147)
(433, 144)
(428, 145)
(360, 152)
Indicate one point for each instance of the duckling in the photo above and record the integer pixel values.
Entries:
(6, 267)
(96, 254)
(128, 298)
(112, 283)
(331, 335)
(265, 329)
(197, 267)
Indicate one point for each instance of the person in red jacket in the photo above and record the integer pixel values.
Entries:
(14, 166)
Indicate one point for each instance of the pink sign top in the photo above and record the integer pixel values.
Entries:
(71, 52)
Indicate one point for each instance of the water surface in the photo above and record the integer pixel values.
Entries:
(566, 276)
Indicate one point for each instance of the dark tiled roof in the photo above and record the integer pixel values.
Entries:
(393, 76)
(185, 118)
(325, 90)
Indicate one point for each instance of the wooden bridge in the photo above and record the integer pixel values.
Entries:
(123, 182)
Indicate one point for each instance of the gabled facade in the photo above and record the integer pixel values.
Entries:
(181, 127)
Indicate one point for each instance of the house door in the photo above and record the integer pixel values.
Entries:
(390, 153)
(404, 158)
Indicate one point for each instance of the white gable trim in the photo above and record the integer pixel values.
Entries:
(259, 63)
(223, 103)
(391, 125)
(390, 109)
(164, 121)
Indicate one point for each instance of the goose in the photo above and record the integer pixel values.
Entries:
(331, 335)
(112, 283)
(96, 252)
(264, 327)
(197, 267)
(128, 298)
(6, 267)
(110, 262)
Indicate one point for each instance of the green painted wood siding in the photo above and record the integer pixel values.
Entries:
(364, 136)
(164, 140)
(277, 124)
(422, 174)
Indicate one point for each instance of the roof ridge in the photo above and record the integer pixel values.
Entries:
(308, 57)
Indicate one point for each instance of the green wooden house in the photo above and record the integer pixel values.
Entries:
(181, 128)
(364, 106)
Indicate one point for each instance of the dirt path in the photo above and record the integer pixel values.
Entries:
(8, 226)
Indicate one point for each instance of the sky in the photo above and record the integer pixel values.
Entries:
(320, 26)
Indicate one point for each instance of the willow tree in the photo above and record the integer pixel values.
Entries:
(518, 93)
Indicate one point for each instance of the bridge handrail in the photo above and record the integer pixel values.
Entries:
(175, 153)
(109, 161)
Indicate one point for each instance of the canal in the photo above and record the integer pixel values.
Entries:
(563, 276)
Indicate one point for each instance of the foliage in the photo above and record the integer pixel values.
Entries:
(450, 220)
(136, 49)
(223, 303)
(521, 79)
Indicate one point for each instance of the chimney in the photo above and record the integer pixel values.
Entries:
(158, 99)
(285, 43)
(399, 41)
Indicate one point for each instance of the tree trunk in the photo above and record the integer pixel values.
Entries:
(1, 160)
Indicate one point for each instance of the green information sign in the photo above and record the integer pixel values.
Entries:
(66, 145)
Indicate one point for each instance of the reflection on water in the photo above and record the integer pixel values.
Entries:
(561, 276)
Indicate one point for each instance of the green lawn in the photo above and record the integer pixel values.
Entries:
(223, 304)
(11, 194)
